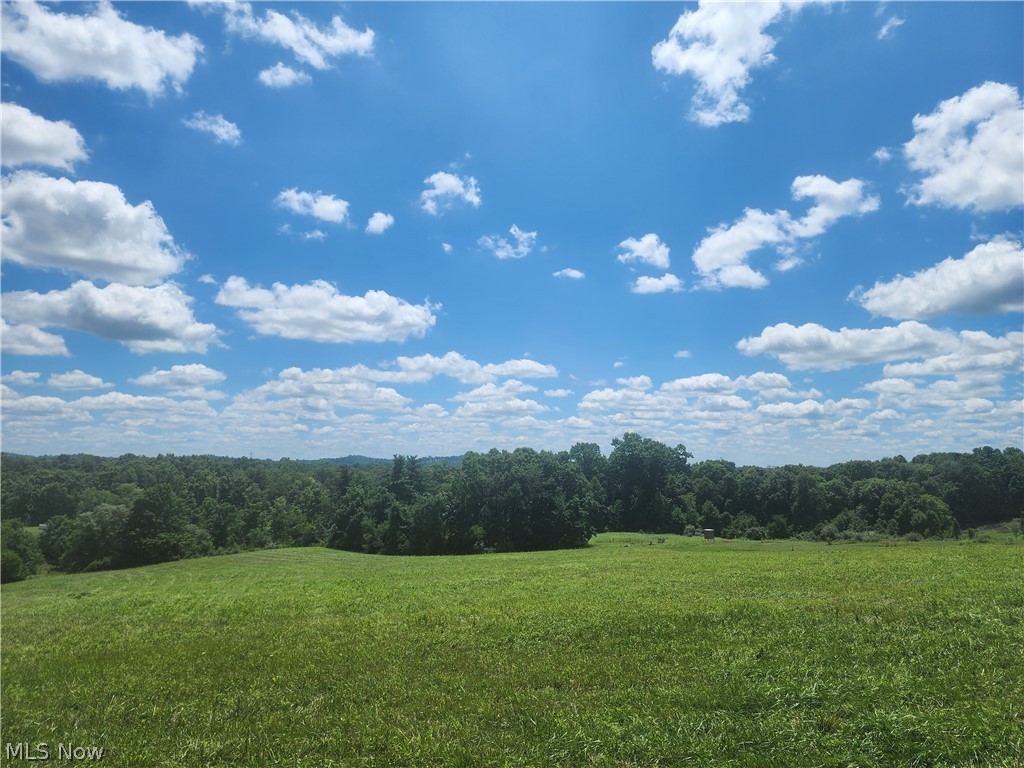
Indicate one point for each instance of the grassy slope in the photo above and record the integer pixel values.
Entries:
(682, 653)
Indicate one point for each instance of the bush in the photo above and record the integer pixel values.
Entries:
(12, 567)
(826, 533)
(913, 536)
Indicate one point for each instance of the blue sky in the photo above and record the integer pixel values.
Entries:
(773, 232)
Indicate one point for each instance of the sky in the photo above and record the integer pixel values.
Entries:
(774, 232)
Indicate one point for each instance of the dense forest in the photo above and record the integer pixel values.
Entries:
(100, 513)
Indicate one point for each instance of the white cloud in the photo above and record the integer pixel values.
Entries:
(29, 139)
(721, 257)
(315, 204)
(309, 43)
(569, 273)
(523, 369)
(811, 346)
(814, 346)
(282, 76)
(787, 263)
(314, 394)
(224, 131)
(503, 249)
(648, 249)
(207, 279)
(635, 382)
(890, 27)
(100, 45)
(975, 353)
(491, 392)
(86, 227)
(557, 392)
(75, 380)
(313, 234)
(30, 340)
(802, 410)
(317, 311)
(188, 380)
(971, 149)
(379, 223)
(424, 368)
(454, 365)
(156, 319)
(987, 280)
(719, 44)
(683, 354)
(446, 247)
(667, 282)
(497, 401)
(445, 189)
(882, 155)
(21, 378)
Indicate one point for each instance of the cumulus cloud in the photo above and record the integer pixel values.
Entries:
(424, 368)
(315, 204)
(315, 394)
(445, 189)
(189, 380)
(282, 76)
(523, 369)
(75, 380)
(987, 280)
(222, 130)
(446, 247)
(971, 150)
(882, 155)
(721, 257)
(29, 139)
(100, 45)
(802, 410)
(975, 352)
(310, 44)
(719, 44)
(503, 249)
(30, 340)
(156, 319)
(86, 227)
(665, 283)
(569, 273)
(557, 392)
(812, 346)
(379, 223)
(317, 311)
(648, 250)
(496, 401)
(21, 378)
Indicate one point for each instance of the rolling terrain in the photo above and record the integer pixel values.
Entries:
(636, 651)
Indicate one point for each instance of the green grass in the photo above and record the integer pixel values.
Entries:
(629, 653)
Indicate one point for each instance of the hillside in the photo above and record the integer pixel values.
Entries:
(629, 652)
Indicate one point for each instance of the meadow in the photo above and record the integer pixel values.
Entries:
(636, 651)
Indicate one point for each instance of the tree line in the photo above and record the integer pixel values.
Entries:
(101, 513)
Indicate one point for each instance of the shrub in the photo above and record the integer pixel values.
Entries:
(12, 567)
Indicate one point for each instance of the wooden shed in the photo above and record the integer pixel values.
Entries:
(709, 533)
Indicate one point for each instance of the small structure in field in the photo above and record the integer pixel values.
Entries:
(709, 533)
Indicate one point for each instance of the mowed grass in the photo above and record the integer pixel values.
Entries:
(629, 653)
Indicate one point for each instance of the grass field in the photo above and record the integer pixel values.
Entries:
(629, 653)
